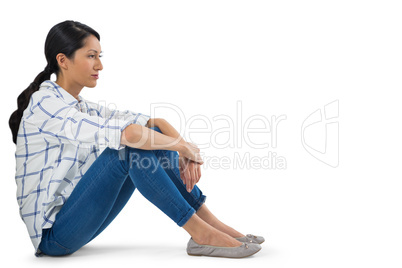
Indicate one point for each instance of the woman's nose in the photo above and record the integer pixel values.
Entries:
(99, 65)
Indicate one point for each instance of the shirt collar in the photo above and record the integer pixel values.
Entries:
(60, 92)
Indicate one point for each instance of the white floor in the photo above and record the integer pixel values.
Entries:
(326, 225)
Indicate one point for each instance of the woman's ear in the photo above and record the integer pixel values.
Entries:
(62, 60)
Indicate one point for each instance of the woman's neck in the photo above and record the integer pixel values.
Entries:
(69, 86)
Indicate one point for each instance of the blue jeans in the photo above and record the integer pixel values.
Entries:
(107, 186)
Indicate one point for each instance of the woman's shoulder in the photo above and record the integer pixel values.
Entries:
(45, 89)
(50, 91)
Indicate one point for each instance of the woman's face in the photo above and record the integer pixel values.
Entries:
(83, 69)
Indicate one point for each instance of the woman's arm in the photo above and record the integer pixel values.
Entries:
(165, 127)
(141, 137)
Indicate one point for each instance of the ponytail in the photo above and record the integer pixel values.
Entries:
(23, 101)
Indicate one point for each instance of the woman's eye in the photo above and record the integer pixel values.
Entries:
(91, 56)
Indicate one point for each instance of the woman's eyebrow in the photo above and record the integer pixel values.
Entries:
(94, 50)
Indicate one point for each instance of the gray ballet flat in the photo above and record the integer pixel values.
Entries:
(245, 250)
(251, 239)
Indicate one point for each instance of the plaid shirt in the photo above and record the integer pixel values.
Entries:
(58, 139)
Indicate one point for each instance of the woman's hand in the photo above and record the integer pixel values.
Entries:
(190, 172)
(190, 165)
(191, 151)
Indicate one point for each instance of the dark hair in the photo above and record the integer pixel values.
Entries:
(65, 37)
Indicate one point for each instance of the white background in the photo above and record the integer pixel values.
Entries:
(276, 57)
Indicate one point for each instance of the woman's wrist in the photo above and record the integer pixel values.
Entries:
(181, 146)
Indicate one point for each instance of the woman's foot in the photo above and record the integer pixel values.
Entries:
(204, 213)
(227, 229)
(205, 234)
(217, 238)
